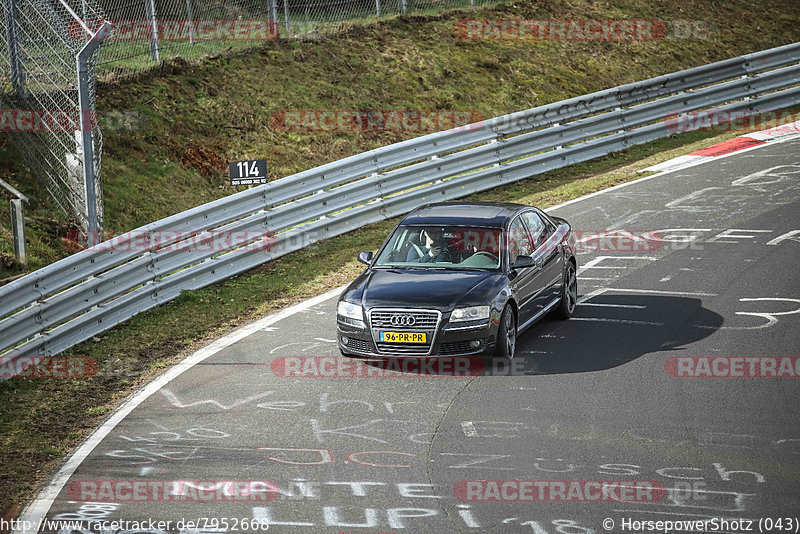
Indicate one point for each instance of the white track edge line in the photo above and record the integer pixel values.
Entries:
(35, 512)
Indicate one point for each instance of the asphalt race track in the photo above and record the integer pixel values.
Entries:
(591, 399)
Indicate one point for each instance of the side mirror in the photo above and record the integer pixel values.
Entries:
(365, 257)
(523, 262)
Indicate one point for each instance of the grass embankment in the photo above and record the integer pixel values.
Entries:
(189, 120)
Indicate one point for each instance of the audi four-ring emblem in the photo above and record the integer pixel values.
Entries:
(403, 320)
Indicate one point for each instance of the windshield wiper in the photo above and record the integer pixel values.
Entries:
(413, 268)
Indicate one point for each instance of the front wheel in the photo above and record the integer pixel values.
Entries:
(507, 334)
(569, 294)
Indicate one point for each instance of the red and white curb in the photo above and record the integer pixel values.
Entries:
(730, 146)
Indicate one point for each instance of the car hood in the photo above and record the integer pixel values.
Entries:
(435, 289)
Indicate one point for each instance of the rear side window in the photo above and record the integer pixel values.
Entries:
(519, 241)
(540, 231)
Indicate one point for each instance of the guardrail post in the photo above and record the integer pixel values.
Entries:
(17, 222)
(86, 114)
(11, 13)
(18, 226)
(155, 53)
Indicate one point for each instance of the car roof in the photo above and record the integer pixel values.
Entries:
(483, 214)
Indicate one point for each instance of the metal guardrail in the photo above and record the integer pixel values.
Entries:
(54, 308)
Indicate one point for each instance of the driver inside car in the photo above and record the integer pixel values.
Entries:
(436, 248)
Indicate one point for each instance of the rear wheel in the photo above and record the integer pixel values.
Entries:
(569, 294)
(507, 334)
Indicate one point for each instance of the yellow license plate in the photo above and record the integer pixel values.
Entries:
(404, 337)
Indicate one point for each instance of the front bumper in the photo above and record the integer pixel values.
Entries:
(458, 339)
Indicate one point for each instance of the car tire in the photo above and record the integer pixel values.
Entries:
(569, 294)
(507, 334)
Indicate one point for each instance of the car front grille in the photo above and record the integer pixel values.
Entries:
(422, 321)
(399, 348)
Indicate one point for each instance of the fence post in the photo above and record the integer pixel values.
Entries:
(403, 6)
(471, 3)
(190, 17)
(272, 12)
(18, 226)
(14, 53)
(286, 16)
(378, 7)
(86, 114)
(155, 53)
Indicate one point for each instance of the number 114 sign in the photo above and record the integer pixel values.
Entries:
(248, 172)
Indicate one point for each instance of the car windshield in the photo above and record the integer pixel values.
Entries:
(442, 247)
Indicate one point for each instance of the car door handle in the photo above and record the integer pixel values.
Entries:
(539, 263)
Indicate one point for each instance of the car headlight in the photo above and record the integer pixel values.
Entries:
(348, 309)
(472, 313)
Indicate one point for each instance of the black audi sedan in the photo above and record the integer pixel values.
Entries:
(459, 278)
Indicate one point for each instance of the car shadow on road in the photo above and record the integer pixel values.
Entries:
(611, 330)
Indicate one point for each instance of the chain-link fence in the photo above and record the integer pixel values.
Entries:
(303, 16)
(40, 72)
(39, 86)
(149, 31)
